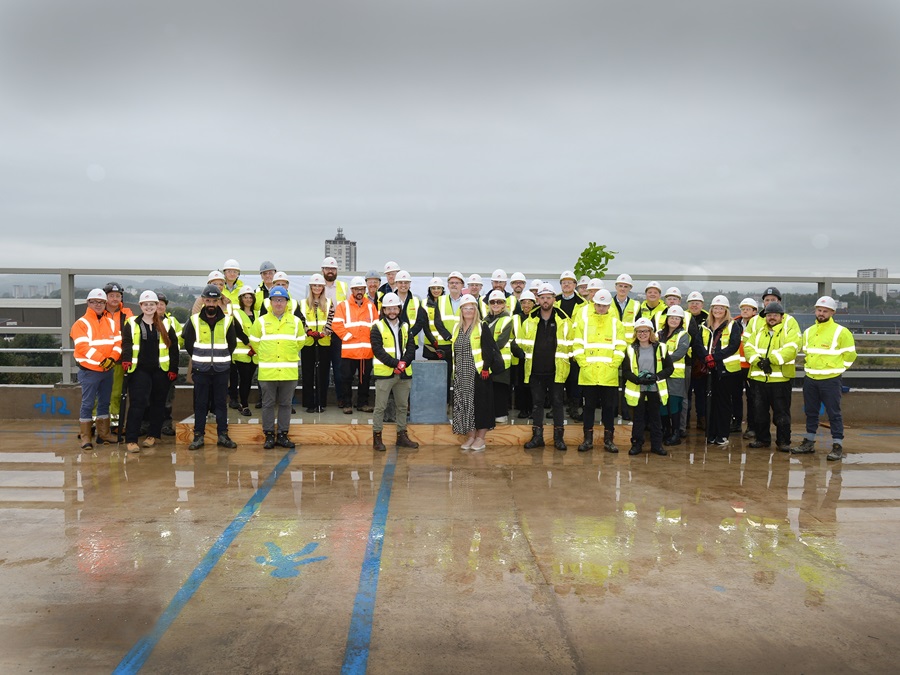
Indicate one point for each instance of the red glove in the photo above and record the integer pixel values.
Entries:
(710, 362)
(435, 345)
(126, 366)
(310, 333)
(440, 354)
(320, 334)
(252, 352)
(401, 366)
(173, 377)
(485, 374)
(396, 371)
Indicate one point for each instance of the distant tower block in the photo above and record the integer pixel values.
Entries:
(881, 290)
(343, 250)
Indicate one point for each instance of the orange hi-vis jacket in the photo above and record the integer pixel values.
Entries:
(352, 323)
(96, 339)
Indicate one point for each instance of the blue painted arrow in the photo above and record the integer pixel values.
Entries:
(288, 565)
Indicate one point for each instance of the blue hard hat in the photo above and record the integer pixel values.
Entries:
(279, 292)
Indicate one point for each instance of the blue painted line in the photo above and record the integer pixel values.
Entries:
(356, 653)
(136, 658)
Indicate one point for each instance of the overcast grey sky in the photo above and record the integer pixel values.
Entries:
(693, 137)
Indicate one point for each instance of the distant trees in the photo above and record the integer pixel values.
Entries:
(12, 358)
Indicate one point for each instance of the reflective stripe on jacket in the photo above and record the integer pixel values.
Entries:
(132, 325)
(96, 339)
(351, 324)
(830, 349)
(277, 343)
(599, 348)
(525, 340)
(632, 389)
(211, 348)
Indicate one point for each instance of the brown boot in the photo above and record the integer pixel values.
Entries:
(103, 435)
(403, 441)
(377, 443)
(85, 435)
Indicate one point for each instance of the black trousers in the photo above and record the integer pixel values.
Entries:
(245, 373)
(539, 382)
(646, 415)
(501, 399)
(605, 397)
(315, 360)
(359, 371)
(718, 416)
(211, 384)
(521, 391)
(147, 391)
(774, 396)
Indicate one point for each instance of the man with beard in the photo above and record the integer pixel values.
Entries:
(210, 339)
(335, 291)
(119, 313)
(830, 349)
(353, 319)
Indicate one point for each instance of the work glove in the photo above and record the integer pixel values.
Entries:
(252, 352)
(397, 371)
(440, 354)
(765, 365)
(126, 366)
(485, 374)
(710, 362)
(648, 378)
(310, 333)
(435, 345)
(107, 363)
(173, 377)
(401, 366)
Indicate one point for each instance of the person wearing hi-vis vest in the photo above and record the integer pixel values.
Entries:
(315, 356)
(231, 268)
(119, 313)
(244, 359)
(830, 349)
(98, 345)
(599, 348)
(646, 367)
(771, 352)
(393, 350)
(353, 319)
(277, 337)
(210, 339)
(500, 323)
(724, 362)
(150, 361)
(675, 337)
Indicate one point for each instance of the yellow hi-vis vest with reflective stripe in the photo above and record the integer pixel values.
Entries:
(171, 321)
(474, 343)
(131, 324)
(448, 316)
(599, 348)
(780, 348)
(671, 346)
(732, 363)
(505, 350)
(242, 350)
(211, 350)
(628, 316)
(633, 390)
(429, 312)
(277, 343)
(830, 349)
(316, 321)
(525, 340)
(380, 369)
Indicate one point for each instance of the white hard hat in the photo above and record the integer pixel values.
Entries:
(643, 323)
(403, 275)
(653, 284)
(517, 276)
(475, 279)
(535, 284)
(603, 297)
(456, 275)
(496, 295)
(827, 302)
(215, 274)
(595, 284)
(436, 281)
(391, 300)
(247, 289)
(568, 274)
(695, 295)
(149, 296)
(468, 299)
(584, 280)
(317, 279)
(498, 275)
(97, 294)
(280, 276)
(673, 290)
(329, 262)
(391, 266)
(721, 301)
(676, 310)
(544, 289)
(527, 295)
(231, 264)
(749, 302)
(357, 282)
(624, 279)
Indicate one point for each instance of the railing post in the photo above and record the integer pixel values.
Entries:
(67, 318)
(825, 287)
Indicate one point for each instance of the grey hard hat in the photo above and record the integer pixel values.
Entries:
(266, 266)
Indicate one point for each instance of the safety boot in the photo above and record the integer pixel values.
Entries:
(558, 441)
(168, 429)
(283, 441)
(404, 441)
(377, 443)
(837, 452)
(197, 443)
(608, 444)
(270, 440)
(103, 435)
(225, 442)
(635, 449)
(588, 443)
(87, 429)
(537, 438)
(807, 447)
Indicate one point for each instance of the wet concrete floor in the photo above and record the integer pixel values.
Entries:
(440, 561)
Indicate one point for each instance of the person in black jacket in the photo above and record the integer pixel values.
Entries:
(721, 384)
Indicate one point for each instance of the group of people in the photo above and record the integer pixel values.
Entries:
(581, 349)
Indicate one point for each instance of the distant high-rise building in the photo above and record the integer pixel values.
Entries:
(343, 250)
(881, 290)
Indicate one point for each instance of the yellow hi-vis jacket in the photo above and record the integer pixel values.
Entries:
(277, 343)
(633, 389)
(830, 349)
(242, 349)
(780, 348)
(599, 347)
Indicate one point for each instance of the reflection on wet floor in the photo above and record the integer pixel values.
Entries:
(506, 527)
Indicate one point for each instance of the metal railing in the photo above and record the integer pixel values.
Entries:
(824, 286)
